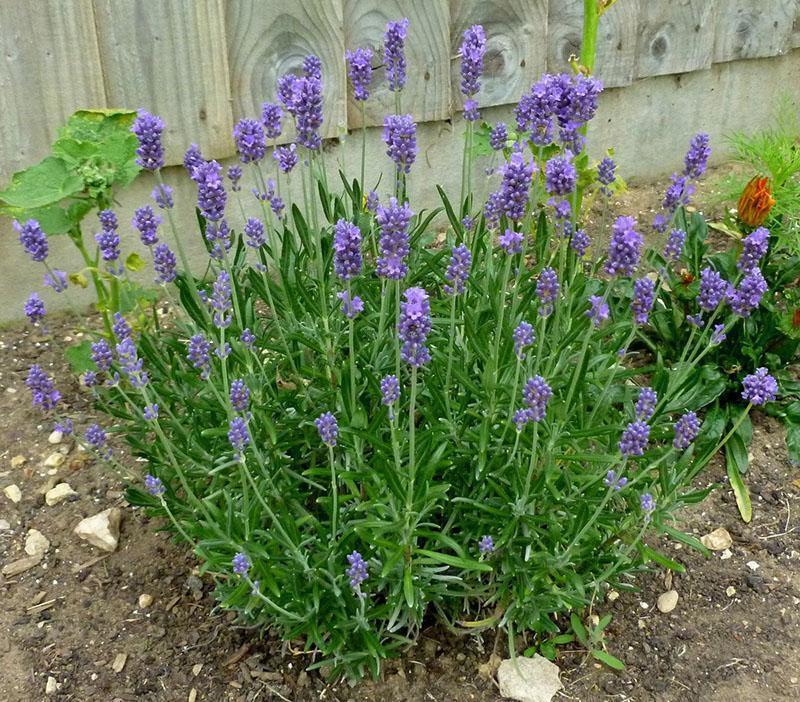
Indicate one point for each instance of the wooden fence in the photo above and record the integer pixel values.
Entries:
(203, 64)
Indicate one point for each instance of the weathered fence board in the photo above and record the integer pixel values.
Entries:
(427, 93)
(747, 29)
(794, 39)
(170, 59)
(51, 67)
(676, 37)
(267, 41)
(516, 47)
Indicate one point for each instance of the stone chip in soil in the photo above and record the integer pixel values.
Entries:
(101, 530)
(529, 679)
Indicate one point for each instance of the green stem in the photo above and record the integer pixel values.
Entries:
(334, 494)
(591, 20)
(363, 147)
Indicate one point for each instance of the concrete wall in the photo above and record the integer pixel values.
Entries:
(648, 122)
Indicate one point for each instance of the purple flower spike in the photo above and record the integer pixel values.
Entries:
(351, 308)
(372, 201)
(606, 174)
(286, 156)
(359, 63)
(647, 503)
(394, 56)
(211, 195)
(241, 564)
(102, 355)
(674, 246)
(57, 280)
(130, 363)
(96, 438)
(580, 242)
(312, 67)
(271, 115)
(471, 112)
(154, 485)
(713, 289)
(754, 249)
(235, 175)
(347, 261)
(499, 136)
(512, 198)
(250, 140)
(473, 49)
(121, 328)
(747, 296)
(150, 412)
(221, 300)
(615, 482)
(238, 436)
(634, 439)
(598, 310)
(718, 335)
(308, 111)
(523, 336)
(162, 196)
(393, 223)
(646, 404)
(199, 354)
(192, 160)
(625, 249)
(486, 545)
(678, 193)
(759, 387)
(458, 270)
(239, 395)
(254, 233)
(33, 239)
(43, 390)
(643, 299)
(414, 326)
(560, 175)
(146, 222)
(400, 137)
(536, 394)
(148, 129)
(686, 430)
(328, 428)
(697, 157)
(34, 308)
(521, 418)
(511, 242)
(390, 390)
(164, 263)
(248, 338)
(547, 289)
(357, 572)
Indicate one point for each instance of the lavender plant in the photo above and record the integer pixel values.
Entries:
(353, 431)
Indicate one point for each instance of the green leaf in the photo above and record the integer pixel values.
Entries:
(650, 554)
(79, 357)
(455, 561)
(609, 660)
(46, 183)
(793, 441)
(135, 262)
(736, 448)
(408, 587)
(53, 219)
(579, 629)
(740, 492)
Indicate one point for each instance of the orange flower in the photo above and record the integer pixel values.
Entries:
(756, 202)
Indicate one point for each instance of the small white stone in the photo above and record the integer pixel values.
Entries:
(529, 679)
(54, 460)
(726, 554)
(13, 493)
(667, 601)
(730, 591)
(644, 605)
(145, 600)
(51, 687)
(18, 460)
(612, 596)
(36, 543)
(56, 437)
(717, 540)
(59, 493)
(752, 565)
(101, 530)
(4, 525)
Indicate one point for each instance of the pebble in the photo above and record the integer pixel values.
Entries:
(145, 600)
(56, 437)
(36, 543)
(20, 565)
(119, 662)
(196, 668)
(612, 596)
(54, 460)
(667, 601)
(730, 591)
(18, 460)
(51, 687)
(13, 493)
(59, 493)
(752, 565)
(4, 524)
(101, 530)
(726, 554)
(529, 679)
(717, 540)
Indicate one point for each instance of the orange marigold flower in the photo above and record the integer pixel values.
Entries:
(756, 202)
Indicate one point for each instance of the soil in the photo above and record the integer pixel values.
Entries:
(734, 635)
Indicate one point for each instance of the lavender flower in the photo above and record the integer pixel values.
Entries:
(393, 223)
(499, 136)
(643, 298)
(130, 363)
(625, 249)
(471, 112)
(239, 395)
(219, 237)
(347, 261)
(250, 140)
(235, 175)
(511, 242)
(372, 201)
(146, 222)
(512, 198)
(598, 310)
(523, 336)
(43, 391)
(357, 572)
(759, 387)
(697, 157)
(634, 439)
(661, 222)
(673, 249)
(606, 174)
(34, 308)
(192, 160)
(394, 57)
(580, 242)
(164, 263)
(747, 296)
(150, 412)
(248, 338)
(615, 482)
(468, 223)
(686, 430)
(121, 328)
(286, 156)
(696, 320)
(414, 326)
(390, 390)
(148, 129)
(713, 289)
(359, 71)
(754, 249)
(211, 195)
(486, 545)
(287, 89)
(162, 196)
(254, 233)
(199, 354)
(241, 564)
(102, 355)
(647, 503)
(108, 239)
(328, 428)
(400, 137)
(351, 308)
(56, 279)
(312, 66)
(90, 379)
(473, 49)
(96, 438)
(458, 270)
(33, 239)
(238, 436)
(646, 404)
(718, 335)
(536, 394)
(271, 115)
(154, 485)
(221, 300)
(560, 175)
(547, 289)
(678, 193)
(308, 111)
